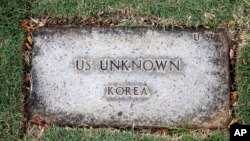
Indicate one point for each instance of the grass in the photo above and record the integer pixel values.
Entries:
(193, 13)
(11, 69)
(65, 134)
(243, 71)
(103, 134)
(213, 13)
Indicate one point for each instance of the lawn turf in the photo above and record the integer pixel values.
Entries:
(11, 69)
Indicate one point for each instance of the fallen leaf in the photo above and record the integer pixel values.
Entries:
(27, 78)
(230, 23)
(42, 22)
(209, 16)
(160, 132)
(34, 20)
(24, 23)
(205, 26)
(28, 46)
(29, 28)
(229, 112)
(27, 25)
(231, 54)
(40, 123)
(244, 60)
(233, 97)
(233, 121)
(29, 38)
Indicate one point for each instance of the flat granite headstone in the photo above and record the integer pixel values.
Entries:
(134, 77)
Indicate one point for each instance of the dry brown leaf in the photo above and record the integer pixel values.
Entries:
(40, 123)
(231, 54)
(29, 28)
(24, 23)
(233, 121)
(160, 132)
(209, 16)
(27, 25)
(205, 26)
(29, 38)
(28, 46)
(244, 61)
(26, 78)
(230, 23)
(34, 20)
(233, 97)
(39, 22)
(27, 58)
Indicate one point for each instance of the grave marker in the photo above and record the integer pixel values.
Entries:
(130, 77)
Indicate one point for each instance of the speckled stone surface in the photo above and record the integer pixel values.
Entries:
(130, 77)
